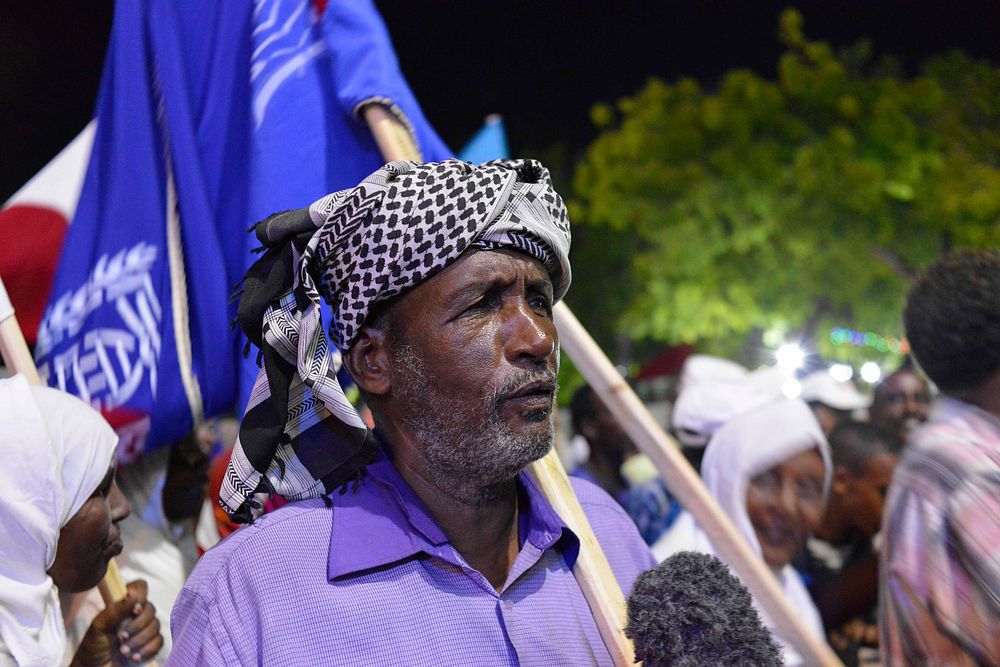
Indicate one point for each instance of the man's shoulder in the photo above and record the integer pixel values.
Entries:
(946, 454)
(281, 536)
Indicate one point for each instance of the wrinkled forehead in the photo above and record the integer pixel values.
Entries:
(479, 269)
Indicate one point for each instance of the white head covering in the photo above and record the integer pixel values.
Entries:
(701, 409)
(745, 446)
(749, 445)
(820, 387)
(56, 450)
(701, 367)
(753, 443)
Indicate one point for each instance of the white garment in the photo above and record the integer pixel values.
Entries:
(820, 387)
(55, 450)
(744, 447)
(160, 551)
(703, 407)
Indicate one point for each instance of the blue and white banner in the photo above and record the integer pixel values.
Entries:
(311, 73)
(211, 115)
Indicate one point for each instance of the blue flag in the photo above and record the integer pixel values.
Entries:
(311, 75)
(211, 115)
(489, 143)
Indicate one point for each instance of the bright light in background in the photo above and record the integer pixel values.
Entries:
(841, 372)
(791, 388)
(870, 372)
(790, 357)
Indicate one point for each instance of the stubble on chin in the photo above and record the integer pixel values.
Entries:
(474, 459)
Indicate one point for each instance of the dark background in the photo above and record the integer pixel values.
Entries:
(542, 65)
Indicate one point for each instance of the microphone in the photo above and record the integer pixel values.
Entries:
(690, 611)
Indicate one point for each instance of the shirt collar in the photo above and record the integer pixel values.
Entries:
(384, 522)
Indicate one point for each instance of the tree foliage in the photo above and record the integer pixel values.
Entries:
(803, 203)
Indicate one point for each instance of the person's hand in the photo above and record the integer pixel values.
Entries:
(125, 632)
(855, 631)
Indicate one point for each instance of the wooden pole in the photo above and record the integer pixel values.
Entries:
(685, 483)
(12, 344)
(592, 571)
(18, 358)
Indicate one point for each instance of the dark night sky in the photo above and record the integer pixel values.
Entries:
(540, 64)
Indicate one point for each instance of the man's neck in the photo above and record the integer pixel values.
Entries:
(483, 528)
(986, 396)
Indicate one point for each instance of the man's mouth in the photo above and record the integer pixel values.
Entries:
(533, 396)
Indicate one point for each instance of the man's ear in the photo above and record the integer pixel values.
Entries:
(367, 361)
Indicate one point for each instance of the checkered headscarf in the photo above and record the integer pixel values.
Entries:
(300, 437)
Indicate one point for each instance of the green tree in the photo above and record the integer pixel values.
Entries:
(797, 204)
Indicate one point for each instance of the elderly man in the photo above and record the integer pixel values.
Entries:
(940, 575)
(437, 548)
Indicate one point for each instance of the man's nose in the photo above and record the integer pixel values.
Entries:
(528, 334)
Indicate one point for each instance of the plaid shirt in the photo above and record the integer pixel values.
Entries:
(940, 583)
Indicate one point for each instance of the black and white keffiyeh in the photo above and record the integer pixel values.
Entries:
(300, 436)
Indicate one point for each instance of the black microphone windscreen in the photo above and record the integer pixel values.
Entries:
(690, 611)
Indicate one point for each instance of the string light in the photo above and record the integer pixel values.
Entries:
(790, 357)
(841, 372)
(870, 372)
(845, 336)
(791, 388)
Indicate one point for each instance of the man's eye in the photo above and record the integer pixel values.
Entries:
(541, 303)
(487, 302)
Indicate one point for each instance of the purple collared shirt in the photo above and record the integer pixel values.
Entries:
(374, 580)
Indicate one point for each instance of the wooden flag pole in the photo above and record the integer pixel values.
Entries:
(16, 355)
(13, 347)
(592, 571)
(685, 483)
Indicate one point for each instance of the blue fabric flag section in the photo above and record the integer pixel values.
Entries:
(489, 143)
(310, 74)
(138, 320)
(211, 115)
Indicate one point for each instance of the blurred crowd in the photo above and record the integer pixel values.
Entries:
(814, 472)
(806, 481)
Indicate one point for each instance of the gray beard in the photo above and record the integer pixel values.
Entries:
(475, 463)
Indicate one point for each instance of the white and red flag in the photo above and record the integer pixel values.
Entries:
(33, 223)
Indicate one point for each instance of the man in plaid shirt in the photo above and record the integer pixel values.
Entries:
(940, 575)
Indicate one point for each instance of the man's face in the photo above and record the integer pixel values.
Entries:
(785, 504)
(901, 403)
(864, 493)
(475, 357)
(605, 434)
(90, 539)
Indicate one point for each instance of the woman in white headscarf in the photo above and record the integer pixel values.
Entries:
(770, 470)
(59, 509)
